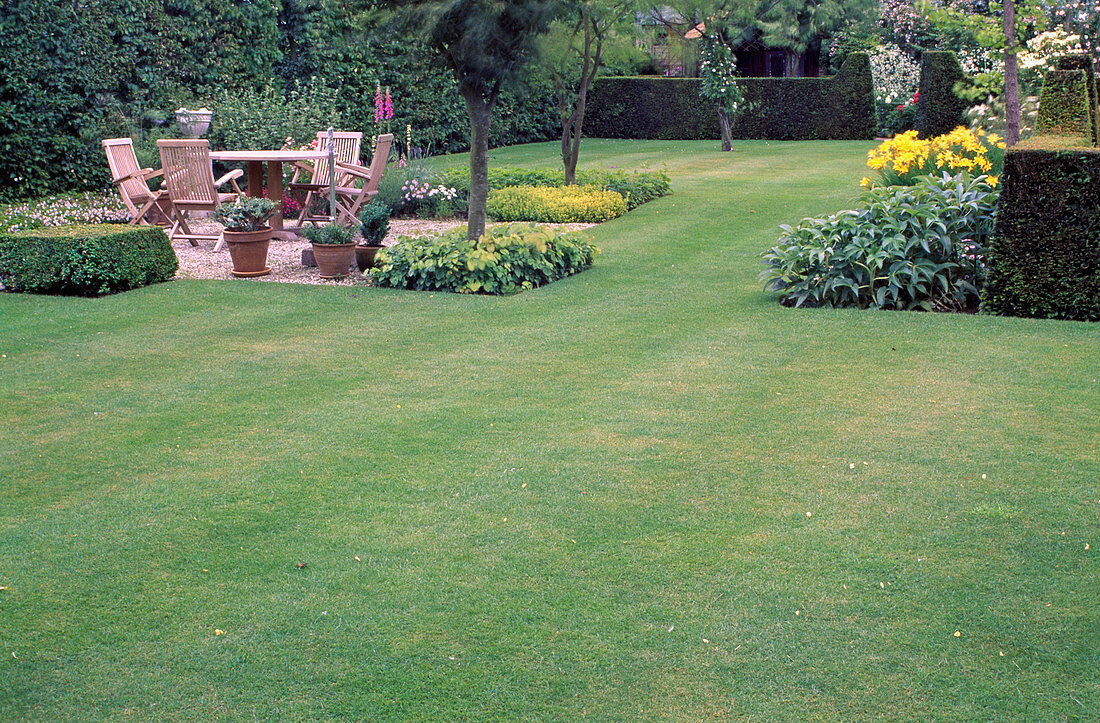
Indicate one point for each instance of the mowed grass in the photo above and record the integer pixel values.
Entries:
(647, 492)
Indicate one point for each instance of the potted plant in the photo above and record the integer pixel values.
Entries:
(247, 234)
(375, 224)
(332, 248)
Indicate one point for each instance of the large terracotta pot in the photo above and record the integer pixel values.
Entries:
(364, 256)
(334, 260)
(248, 249)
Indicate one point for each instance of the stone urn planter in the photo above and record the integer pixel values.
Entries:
(194, 123)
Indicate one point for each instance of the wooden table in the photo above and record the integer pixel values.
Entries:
(254, 161)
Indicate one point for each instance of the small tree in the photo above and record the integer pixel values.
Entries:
(573, 51)
(486, 44)
(718, 68)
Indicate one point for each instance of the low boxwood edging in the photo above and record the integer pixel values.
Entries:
(636, 188)
(555, 204)
(505, 260)
(85, 260)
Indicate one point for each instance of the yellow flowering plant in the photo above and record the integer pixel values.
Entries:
(901, 160)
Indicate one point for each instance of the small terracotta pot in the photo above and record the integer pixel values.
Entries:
(248, 249)
(364, 256)
(334, 260)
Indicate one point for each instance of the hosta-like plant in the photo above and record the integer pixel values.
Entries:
(908, 247)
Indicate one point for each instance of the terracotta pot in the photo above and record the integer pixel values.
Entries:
(248, 249)
(334, 260)
(364, 256)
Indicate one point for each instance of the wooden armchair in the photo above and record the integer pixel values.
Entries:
(345, 152)
(146, 206)
(189, 173)
(349, 197)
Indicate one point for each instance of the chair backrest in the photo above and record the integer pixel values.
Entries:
(189, 173)
(123, 162)
(378, 163)
(345, 148)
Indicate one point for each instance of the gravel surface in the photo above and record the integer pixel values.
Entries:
(284, 257)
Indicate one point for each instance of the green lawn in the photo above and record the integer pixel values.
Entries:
(644, 492)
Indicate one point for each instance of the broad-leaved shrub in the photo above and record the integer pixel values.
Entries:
(907, 247)
(505, 260)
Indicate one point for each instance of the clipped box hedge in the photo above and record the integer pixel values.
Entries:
(85, 260)
(1083, 61)
(1044, 256)
(939, 110)
(841, 107)
(1064, 105)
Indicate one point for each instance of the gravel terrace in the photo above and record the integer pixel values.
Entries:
(285, 257)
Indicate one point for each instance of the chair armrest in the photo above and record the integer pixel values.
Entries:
(231, 176)
(357, 171)
(144, 174)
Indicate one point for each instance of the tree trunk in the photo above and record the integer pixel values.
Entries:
(571, 126)
(1012, 88)
(727, 131)
(480, 112)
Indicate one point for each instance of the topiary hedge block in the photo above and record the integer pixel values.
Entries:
(1082, 61)
(1044, 256)
(939, 110)
(86, 260)
(837, 108)
(1064, 105)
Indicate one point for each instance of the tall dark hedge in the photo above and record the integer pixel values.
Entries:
(1044, 257)
(939, 110)
(1083, 61)
(1064, 105)
(840, 107)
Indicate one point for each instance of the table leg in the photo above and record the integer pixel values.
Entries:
(255, 179)
(275, 192)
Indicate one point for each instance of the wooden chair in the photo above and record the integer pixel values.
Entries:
(189, 173)
(345, 151)
(349, 198)
(147, 207)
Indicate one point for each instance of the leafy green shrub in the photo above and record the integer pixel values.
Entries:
(554, 204)
(636, 188)
(1044, 257)
(840, 107)
(374, 223)
(908, 247)
(246, 214)
(85, 260)
(1064, 105)
(939, 109)
(331, 234)
(265, 118)
(506, 260)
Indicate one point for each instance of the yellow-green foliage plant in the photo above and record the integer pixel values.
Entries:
(901, 160)
(555, 204)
